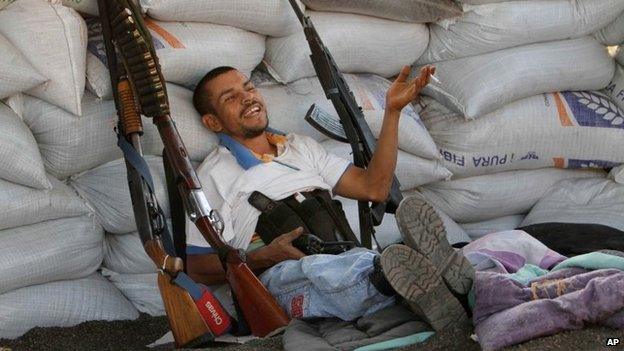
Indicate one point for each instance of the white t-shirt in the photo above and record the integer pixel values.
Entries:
(303, 166)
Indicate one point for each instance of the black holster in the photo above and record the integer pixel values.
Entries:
(318, 214)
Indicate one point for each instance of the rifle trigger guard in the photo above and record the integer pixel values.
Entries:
(216, 221)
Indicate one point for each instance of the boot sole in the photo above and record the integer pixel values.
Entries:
(417, 280)
(423, 230)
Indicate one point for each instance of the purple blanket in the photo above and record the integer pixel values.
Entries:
(507, 312)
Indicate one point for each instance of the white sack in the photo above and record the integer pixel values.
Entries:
(593, 201)
(388, 233)
(492, 27)
(89, 7)
(491, 196)
(411, 171)
(105, 188)
(287, 106)
(359, 44)
(141, 290)
(615, 89)
(186, 52)
(478, 229)
(475, 86)
(16, 74)
(62, 304)
(564, 130)
(20, 160)
(67, 248)
(612, 34)
(20, 205)
(54, 40)
(418, 11)
(70, 145)
(479, 2)
(617, 174)
(269, 17)
(124, 253)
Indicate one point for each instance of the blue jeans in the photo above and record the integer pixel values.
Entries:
(327, 286)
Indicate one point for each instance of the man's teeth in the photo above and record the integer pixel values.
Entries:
(252, 110)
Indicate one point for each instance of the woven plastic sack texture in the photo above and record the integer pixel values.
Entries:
(124, 253)
(477, 85)
(595, 201)
(186, 52)
(62, 304)
(66, 248)
(70, 145)
(417, 11)
(54, 40)
(612, 34)
(21, 205)
(20, 159)
(565, 130)
(141, 290)
(269, 17)
(496, 195)
(476, 230)
(16, 74)
(488, 28)
(359, 44)
(615, 89)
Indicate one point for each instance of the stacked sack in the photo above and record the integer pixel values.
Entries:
(519, 105)
(370, 43)
(51, 244)
(64, 201)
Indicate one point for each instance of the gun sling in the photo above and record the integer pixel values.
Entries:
(199, 293)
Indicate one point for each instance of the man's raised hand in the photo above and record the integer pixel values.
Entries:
(402, 92)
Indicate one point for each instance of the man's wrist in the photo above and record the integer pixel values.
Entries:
(393, 112)
(260, 258)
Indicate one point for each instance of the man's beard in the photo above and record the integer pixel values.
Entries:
(250, 133)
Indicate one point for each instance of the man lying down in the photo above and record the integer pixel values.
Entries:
(512, 285)
(295, 170)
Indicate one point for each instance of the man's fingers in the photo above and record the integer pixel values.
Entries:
(405, 71)
(292, 235)
(296, 254)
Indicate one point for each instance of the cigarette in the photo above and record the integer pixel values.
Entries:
(435, 79)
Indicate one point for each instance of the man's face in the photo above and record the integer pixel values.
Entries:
(239, 107)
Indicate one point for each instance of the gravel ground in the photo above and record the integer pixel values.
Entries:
(134, 335)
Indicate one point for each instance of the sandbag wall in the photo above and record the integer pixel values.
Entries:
(527, 98)
(65, 212)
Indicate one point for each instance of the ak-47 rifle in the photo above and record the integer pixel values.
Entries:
(354, 129)
(140, 89)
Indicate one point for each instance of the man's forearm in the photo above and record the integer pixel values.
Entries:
(208, 270)
(380, 171)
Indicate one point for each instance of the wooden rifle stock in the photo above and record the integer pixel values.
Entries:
(260, 309)
(140, 63)
(187, 325)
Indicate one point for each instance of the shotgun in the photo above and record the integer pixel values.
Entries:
(133, 42)
(354, 129)
(194, 315)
